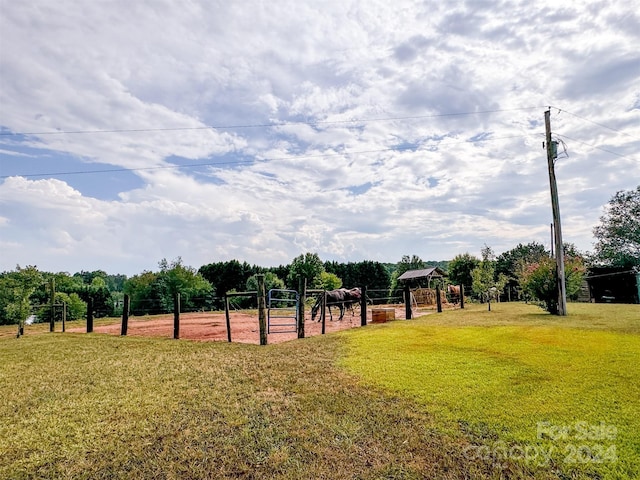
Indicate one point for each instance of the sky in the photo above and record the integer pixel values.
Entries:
(132, 131)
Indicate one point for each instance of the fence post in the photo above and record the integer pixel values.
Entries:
(363, 306)
(407, 302)
(323, 311)
(176, 316)
(90, 315)
(438, 299)
(64, 315)
(262, 310)
(461, 296)
(125, 315)
(52, 321)
(302, 283)
(226, 314)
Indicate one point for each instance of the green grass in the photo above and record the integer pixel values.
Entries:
(500, 375)
(99, 406)
(408, 399)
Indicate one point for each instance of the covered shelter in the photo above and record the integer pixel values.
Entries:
(419, 283)
(420, 277)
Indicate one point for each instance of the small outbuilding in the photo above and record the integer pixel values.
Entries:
(419, 282)
(613, 285)
(422, 276)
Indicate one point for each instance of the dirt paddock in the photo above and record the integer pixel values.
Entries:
(211, 326)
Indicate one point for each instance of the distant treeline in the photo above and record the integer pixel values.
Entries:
(27, 291)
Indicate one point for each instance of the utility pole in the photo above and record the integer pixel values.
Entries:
(551, 156)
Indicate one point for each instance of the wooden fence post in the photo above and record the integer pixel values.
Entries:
(226, 314)
(363, 306)
(64, 316)
(438, 299)
(323, 311)
(461, 296)
(262, 310)
(125, 316)
(176, 316)
(52, 320)
(407, 302)
(302, 289)
(90, 315)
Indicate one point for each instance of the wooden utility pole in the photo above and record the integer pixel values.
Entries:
(551, 156)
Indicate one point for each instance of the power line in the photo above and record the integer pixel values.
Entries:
(248, 162)
(593, 146)
(263, 125)
(598, 124)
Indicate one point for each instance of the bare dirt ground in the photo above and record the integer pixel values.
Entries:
(211, 326)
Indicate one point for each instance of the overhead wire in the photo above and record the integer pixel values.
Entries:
(593, 146)
(596, 123)
(264, 125)
(271, 159)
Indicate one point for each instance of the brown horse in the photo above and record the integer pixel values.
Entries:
(342, 298)
(454, 293)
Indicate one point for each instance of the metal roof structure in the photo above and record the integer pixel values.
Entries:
(431, 272)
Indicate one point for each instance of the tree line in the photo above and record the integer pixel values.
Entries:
(525, 272)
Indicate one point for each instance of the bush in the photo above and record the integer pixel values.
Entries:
(539, 280)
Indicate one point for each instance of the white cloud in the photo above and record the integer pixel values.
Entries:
(384, 143)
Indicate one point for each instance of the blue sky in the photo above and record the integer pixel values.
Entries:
(359, 130)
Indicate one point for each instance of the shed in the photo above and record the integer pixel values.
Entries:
(414, 276)
(613, 285)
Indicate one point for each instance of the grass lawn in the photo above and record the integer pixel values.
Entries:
(556, 391)
(427, 398)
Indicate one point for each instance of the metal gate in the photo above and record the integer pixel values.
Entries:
(282, 311)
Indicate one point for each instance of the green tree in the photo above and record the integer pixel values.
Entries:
(16, 290)
(373, 275)
(618, 235)
(483, 282)
(76, 308)
(460, 269)
(329, 281)
(307, 266)
(271, 281)
(507, 263)
(177, 278)
(404, 265)
(539, 280)
(228, 276)
(144, 294)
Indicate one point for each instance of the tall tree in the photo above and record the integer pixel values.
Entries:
(227, 276)
(508, 263)
(484, 281)
(460, 269)
(307, 266)
(16, 289)
(177, 278)
(618, 235)
(404, 265)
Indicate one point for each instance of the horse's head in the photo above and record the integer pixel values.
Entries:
(314, 310)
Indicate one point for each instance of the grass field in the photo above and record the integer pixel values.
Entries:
(443, 396)
(563, 392)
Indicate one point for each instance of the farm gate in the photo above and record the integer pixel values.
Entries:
(282, 311)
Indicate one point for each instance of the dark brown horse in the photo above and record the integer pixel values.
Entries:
(341, 297)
